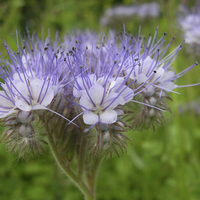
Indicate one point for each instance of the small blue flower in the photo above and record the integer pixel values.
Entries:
(113, 72)
(32, 78)
(189, 23)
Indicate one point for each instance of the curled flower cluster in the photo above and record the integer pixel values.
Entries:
(122, 13)
(99, 87)
(30, 84)
(189, 23)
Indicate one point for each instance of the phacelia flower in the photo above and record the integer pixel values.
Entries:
(189, 23)
(120, 81)
(100, 87)
(32, 78)
(121, 13)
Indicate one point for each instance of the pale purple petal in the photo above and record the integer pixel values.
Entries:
(85, 102)
(159, 74)
(141, 78)
(96, 93)
(108, 116)
(22, 105)
(113, 99)
(169, 86)
(90, 118)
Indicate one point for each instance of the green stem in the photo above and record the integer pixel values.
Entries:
(68, 171)
(92, 176)
(81, 156)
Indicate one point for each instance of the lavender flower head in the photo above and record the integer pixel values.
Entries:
(81, 97)
(125, 13)
(92, 89)
(121, 83)
(189, 23)
(30, 83)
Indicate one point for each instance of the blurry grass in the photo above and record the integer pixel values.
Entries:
(160, 165)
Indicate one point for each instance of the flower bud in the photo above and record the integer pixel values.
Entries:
(26, 130)
(151, 112)
(25, 116)
(118, 126)
(11, 121)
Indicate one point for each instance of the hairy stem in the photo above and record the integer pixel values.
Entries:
(91, 176)
(68, 171)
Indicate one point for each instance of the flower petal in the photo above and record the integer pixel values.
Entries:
(96, 93)
(86, 102)
(38, 88)
(90, 118)
(22, 105)
(108, 116)
(113, 98)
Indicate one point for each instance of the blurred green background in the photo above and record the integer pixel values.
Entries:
(160, 165)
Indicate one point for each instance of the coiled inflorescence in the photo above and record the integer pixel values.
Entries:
(189, 23)
(100, 88)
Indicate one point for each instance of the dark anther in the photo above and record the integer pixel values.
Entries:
(32, 50)
(115, 62)
(155, 71)
(45, 48)
(165, 33)
(24, 47)
(64, 59)
(74, 49)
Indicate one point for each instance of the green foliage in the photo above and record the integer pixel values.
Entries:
(160, 165)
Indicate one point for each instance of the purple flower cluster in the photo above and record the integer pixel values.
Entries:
(122, 12)
(189, 23)
(109, 85)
